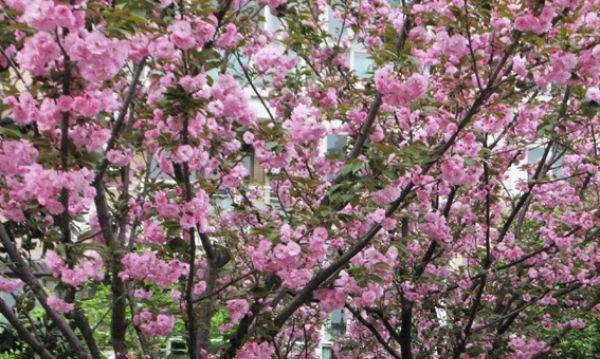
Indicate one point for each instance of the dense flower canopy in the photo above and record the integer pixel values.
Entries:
(173, 150)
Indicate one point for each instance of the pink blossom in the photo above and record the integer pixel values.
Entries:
(192, 84)
(99, 58)
(538, 25)
(378, 216)
(272, 60)
(235, 176)
(330, 299)
(153, 232)
(39, 14)
(303, 127)
(593, 94)
(119, 158)
(436, 228)
(89, 267)
(204, 30)
(149, 268)
(59, 305)
(183, 153)
(561, 66)
(142, 293)
(577, 323)
(454, 172)
(200, 288)
(54, 262)
(296, 278)
(396, 92)
(233, 100)
(237, 309)
(255, 351)
(455, 45)
(24, 110)
(7, 285)
(181, 34)
(15, 156)
(161, 48)
(38, 53)
(161, 326)
(230, 38)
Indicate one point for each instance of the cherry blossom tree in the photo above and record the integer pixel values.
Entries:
(133, 133)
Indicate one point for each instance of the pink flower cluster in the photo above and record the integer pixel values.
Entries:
(525, 348)
(87, 268)
(46, 15)
(196, 211)
(59, 305)
(454, 46)
(561, 66)
(153, 233)
(235, 176)
(455, 172)
(396, 92)
(7, 285)
(304, 127)
(229, 100)
(161, 326)
(38, 54)
(186, 35)
(47, 115)
(283, 255)
(435, 227)
(538, 25)
(386, 195)
(330, 299)
(237, 309)
(119, 158)
(24, 110)
(27, 181)
(229, 38)
(286, 260)
(254, 350)
(149, 268)
(272, 60)
(14, 155)
(98, 57)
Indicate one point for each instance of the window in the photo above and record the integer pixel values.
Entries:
(326, 353)
(338, 323)
(335, 325)
(155, 172)
(362, 63)
(336, 143)
(256, 174)
(272, 22)
(335, 24)
(178, 347)
(534, 155)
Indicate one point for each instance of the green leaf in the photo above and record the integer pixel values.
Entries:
(8, 132)
(351, 167)
(87, 235)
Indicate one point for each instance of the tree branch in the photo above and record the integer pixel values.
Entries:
(22, 270)
(374, 331)
(24, 334)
